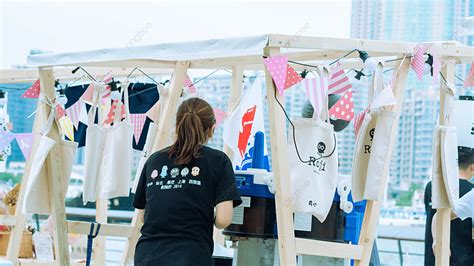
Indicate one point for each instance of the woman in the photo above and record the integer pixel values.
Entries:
(178, 190)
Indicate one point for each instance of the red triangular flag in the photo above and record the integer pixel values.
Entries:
(60, 112)
(469, 81)
(138, 121)
(188, 83)
(343, 108)
(292, 77)
(110, 116)
(32, 92)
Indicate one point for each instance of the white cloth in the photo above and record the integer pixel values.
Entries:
(147, 150)
(107, 166)
(439, 197)
(465, 206)
(449, 163)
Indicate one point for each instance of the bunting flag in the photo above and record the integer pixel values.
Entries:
(87, 95)
(189, 84)
(5, 138)
(241, 127)
(153, 112)
(469, 81)
(107, 78)
(338, 81)
(25, 142)
(292, 77)
(83, 113)
(418, 60)
(67, 127)
(436, 67)
(138, 121)
(60, 112)
(32, 92)
(316, 90)
(220, 116)
(343, 108)
(358, 121)
(277, 66)
(110, 116)
(73, 112)
(384, 98)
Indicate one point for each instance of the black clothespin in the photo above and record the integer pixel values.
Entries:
(429, 61)
(113, 85)
(359, 74)
(90, 239)
(304, 73)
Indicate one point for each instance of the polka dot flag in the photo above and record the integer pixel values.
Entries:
(5, 138)
(277, 66)
(32, 92)
(292, 77)
(60, 112)
(343, 108)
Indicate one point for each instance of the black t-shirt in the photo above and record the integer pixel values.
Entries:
(461, 245)
(179, 205)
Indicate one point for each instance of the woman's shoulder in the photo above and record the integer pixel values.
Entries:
(159, 154)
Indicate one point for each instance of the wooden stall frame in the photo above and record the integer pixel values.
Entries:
(322, 49)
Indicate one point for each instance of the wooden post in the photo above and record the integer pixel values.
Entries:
(281, 171)
(443, 223)
(372, 210)
(56, 182)
(100, 217)
(167, 114)
(235, 92)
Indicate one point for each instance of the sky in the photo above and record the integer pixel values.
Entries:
(76, 26)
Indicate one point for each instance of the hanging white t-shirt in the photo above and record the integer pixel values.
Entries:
(465, 206)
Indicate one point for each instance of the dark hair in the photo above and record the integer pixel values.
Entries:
(194, 121)
(465, 157)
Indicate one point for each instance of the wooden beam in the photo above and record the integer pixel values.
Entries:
(281, 171)
(9, 220)
(372, 209)
(55, 180)
(83, 228)
(443, 220)
(328, 249)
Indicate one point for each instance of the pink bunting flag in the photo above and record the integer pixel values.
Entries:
(138, 121)
(87, 96)
(277, 66)
(436, 68)
(343, 108)
(33, 91)
(189, 84)
(358, 121)
(5, 138)
(153, 112)
(418, 60)
(469, 81)
(220, 116)
(60, 112)
(74, 112)
(110, 116)
(316, 90)
(338, 81)
(292, 77)
(25, 142)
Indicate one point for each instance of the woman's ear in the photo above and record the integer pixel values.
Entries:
(211, 131)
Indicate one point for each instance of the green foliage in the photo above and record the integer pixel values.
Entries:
(404, 199)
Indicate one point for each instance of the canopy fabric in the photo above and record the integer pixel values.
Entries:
(204, 49)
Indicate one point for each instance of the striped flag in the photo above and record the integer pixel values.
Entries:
(138, 121)
(111, 115)
(358, 121)
(67, 127)
(469, 81)
(189, 84)
(74, 112)
(338, 81)
(107, 79)
(316, 90)
(418, 60)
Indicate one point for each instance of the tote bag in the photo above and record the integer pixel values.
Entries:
(449, 163)
(314, 177)
(372, 145)
(439, 197)
(37, 195)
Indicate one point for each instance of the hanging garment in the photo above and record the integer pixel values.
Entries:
(314, 176)
(37, 195)
(449, 163)
(147, 150)
(372, 142)
(439, 195)
(108, 153)
(145, 95)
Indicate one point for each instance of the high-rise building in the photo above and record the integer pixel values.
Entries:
(415, 21)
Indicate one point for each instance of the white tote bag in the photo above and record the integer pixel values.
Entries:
(313, 162)
(439, 197)
(37, 195)
(372, 145)
(147, 150)
(449, 163)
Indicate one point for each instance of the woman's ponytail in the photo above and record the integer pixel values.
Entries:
(194, 122)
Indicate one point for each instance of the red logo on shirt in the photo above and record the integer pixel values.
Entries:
(244, 135)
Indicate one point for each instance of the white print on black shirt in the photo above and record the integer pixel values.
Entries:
(184, 172)
(164, 171)
(195, 171)
(154, 174)
(174, 172)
